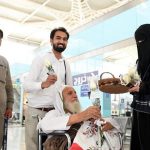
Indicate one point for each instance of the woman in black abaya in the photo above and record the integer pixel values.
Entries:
(140, 134)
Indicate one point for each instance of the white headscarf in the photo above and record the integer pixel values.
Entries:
(59, 99)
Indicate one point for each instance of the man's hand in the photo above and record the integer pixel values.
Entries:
(92, 112)
(51, 79)
(8, 113)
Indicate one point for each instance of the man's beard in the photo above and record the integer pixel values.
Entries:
(58, 48)
(73, 107)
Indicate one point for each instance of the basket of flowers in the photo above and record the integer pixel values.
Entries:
(111, 85)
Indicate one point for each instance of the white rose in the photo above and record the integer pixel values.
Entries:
(131, 71)
(92, 83)
(47, 63)
(126, 79)
(93, 86)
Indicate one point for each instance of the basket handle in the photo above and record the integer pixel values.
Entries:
(108, 73)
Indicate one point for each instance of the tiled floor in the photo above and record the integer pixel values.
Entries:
(16, 139)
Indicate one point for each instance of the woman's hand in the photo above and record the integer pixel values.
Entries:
(134, 89)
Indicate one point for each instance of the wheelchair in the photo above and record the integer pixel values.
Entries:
(43, 136)
(122, 121)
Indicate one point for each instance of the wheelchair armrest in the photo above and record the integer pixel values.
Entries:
(58, 132)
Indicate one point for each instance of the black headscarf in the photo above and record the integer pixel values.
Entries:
(142, 37)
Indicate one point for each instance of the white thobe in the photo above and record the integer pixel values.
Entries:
(88, 137)
(38, 97)
(54, 120)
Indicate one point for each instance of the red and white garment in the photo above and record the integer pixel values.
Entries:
(87, 137)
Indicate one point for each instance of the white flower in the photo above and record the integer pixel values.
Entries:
(47, 63)
(131, 71)
(131, 78)
(49, 66)
(126, 79)
(92, 83)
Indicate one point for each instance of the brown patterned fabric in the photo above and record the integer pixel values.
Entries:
(60, 142)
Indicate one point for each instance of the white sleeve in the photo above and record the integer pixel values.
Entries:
(68, 74)
(31, 82)
(54, 121)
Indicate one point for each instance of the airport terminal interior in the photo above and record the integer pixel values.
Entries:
(101, 45)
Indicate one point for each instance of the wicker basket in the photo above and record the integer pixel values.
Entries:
(111, 85)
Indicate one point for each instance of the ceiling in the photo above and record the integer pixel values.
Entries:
(32, 20)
